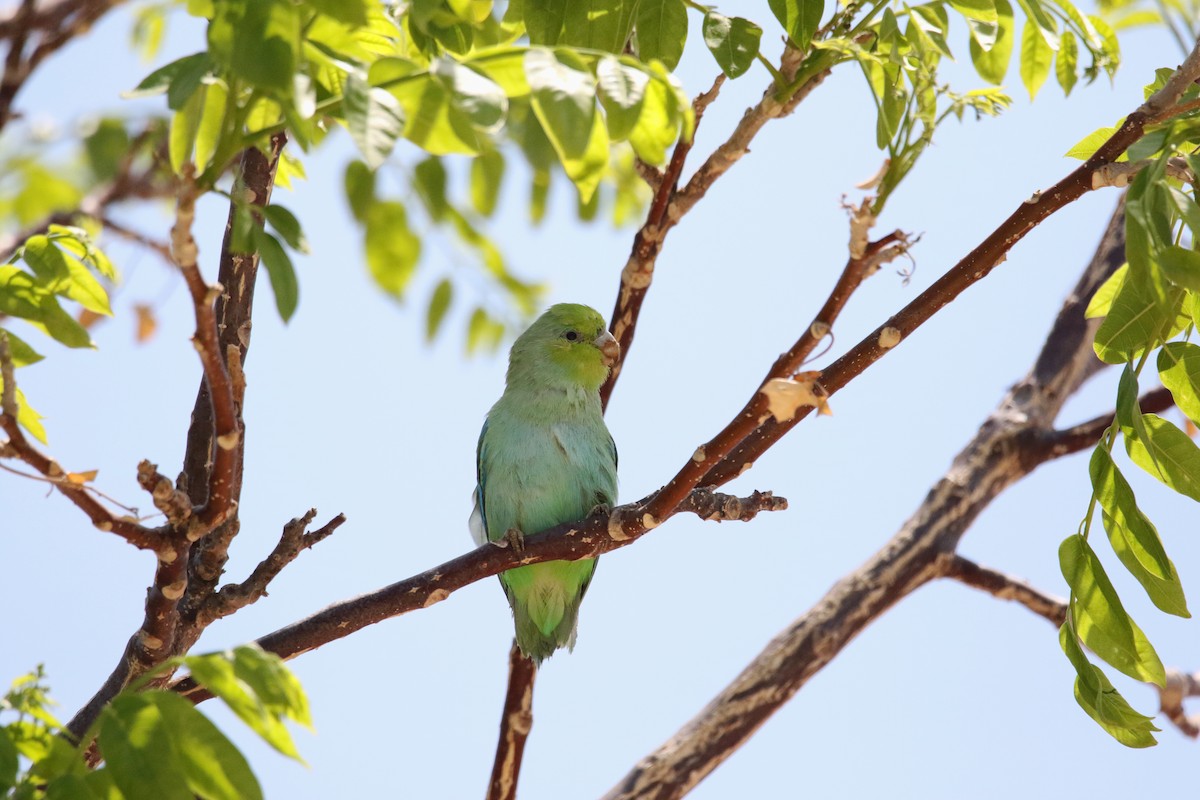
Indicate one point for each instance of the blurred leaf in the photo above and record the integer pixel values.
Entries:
(1102, 702)
(622, 93)
(1179, 369)
(732, 41)
(349, 12)
(374, 117)
(483, 331)
(1099, 618)
(487, 171)
(146, 323)
(281, 272)
(8, 762)
(184, 125)
(140, 751)
(1065, 64)
(563, 97)
(211, 125)
(982, 10)
(1180, 266)
(258, 41)
(180, 79)
(22, 354)
(659, 121)
(106, 147)
(439, 304)
(598, 24)
(392, 248)
(429, 179)
(1036, 57)
(799, 18)
(1168, 454)
(360, 189)
(287, 226)
(544, 20)
(662, 27)
(64, 275)
(992, 63)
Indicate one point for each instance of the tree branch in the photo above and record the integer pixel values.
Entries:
(998, 455)
(588, 538)
(515, 724)
(1180, 685)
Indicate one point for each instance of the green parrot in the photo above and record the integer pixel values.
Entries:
(545, 457)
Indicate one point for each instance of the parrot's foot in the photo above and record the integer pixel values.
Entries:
(600, 510)
(515, 539)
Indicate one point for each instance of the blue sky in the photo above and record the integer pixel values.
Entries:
(349, 411)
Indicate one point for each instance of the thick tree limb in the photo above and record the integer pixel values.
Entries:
(515, 724)
(1002, 452)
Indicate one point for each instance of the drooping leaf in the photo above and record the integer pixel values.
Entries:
(662, 27)
(1102, 702)
(992, 63)
(359, 182)
(1179, 369)
(374, 118)
(622, 92)
(487, 171)
(1099, 617)
(287, 226)
(439, 304)
(602, 25)
(213, 767)
(257, 40)
(141, 751)
(1136, 319)
(1066, 62)
(180, 79)
(563, 99)
(1036, 58)
(1168, 454)
(1180, 266)
(982, 10)
(392, 248)
(544, 20)
(280, 271)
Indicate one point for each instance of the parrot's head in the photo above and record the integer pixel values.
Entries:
(567, 345)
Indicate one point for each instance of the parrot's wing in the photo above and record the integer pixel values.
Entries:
(478, 521)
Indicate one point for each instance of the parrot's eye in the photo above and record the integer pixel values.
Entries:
(571, 336)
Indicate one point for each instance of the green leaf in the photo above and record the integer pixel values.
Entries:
(392, 248)
(1187, 209)
(374, 118)
(211, 125)
(1134, 538)
(1045, 23)
(72, 787)
(218, 674)
(487, 171)
(1066, 63)
(429, 178)
(799, 18)
(602, 25)
(8, 761)
(258, 41)
(1168, 454)
(622, 92)
(185, 123)
(106, 148)
(140, 751)
(1179, 369)
(180, 79)
(1180, 266)
(273, 682)
(64, 275)
(22, 296)
(544, 20)
(982, 10)
(1100, 619)
(563, 98)
(1102, 300)
(733, 41)
(22, 354)
(287, 226)
(1036, 57)
(439, 304)
(658, 124)
(1136, 319)
(281, 272)
(214, 768)
(28, 418)
(1102, 702)
(360, 188)
(662, 27)
(349, 12)
(992, 63)
(1086, 147)
(483, 331)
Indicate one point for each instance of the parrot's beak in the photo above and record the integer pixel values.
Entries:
(608, 348)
